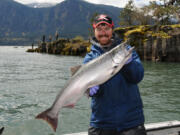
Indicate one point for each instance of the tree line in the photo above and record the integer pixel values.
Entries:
(162, 12)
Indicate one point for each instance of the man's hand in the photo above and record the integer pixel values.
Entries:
(93, 90)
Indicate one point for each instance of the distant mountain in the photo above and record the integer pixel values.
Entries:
(69, 18)
(40, 5)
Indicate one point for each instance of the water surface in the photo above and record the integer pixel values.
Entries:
(29, 83)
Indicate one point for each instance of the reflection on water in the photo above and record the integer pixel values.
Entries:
(30, 81)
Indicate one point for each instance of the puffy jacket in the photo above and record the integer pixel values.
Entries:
(118, 104)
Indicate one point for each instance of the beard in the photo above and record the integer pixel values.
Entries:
(104, 39)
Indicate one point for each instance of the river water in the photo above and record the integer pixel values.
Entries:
(29, 83)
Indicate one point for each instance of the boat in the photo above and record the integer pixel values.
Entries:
(160, 128)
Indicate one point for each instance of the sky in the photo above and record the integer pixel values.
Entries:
(117, 3)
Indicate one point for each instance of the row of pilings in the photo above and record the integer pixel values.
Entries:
(152, 45)
(161, 49)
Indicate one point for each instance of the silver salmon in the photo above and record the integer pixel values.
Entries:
(88, 75)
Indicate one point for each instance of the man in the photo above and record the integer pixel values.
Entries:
(116, 104)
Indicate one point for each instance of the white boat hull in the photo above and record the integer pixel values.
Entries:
(161, 128)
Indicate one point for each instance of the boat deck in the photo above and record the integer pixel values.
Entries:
(161, 128)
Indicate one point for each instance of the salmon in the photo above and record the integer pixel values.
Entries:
(93, 73)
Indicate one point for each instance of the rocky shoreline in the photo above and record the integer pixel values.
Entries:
(63, 46)
(153, 43)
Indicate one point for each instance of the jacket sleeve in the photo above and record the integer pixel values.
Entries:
(134, 71)
(90, 56)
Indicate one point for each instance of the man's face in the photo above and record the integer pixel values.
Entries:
(103, 34)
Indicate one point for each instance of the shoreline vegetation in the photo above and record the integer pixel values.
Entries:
(152, 42)
(63, 46)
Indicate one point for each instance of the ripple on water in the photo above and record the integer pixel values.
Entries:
(30, 82)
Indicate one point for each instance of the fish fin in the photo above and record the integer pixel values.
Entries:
(86, 93)
(75, 69)
(131, 49)
(69, 106)
(1, 130)
(53, 122)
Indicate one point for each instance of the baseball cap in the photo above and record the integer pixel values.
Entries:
(102, 18)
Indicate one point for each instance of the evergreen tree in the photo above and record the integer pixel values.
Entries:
(142, 17)
(175, 7)
(127, 14)
(164, 11)
(160, 13)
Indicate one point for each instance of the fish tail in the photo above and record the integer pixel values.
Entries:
(1, 130)
(52, 121)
